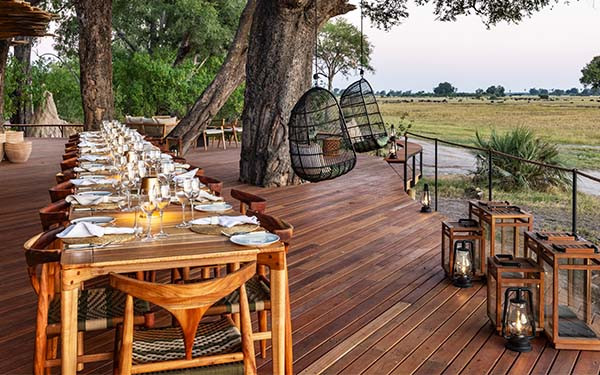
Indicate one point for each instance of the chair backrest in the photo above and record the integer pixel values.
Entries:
(61, 191)
(282, 228)
(55, 214)
(249, 201)
(68, 164)
(213, 184)
(200, 171)
(42, 254)
(71, 144)
(69, 155)
(65, 175)
(187, 303)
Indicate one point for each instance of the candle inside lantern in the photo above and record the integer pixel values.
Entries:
(426, 199)
(518, 325)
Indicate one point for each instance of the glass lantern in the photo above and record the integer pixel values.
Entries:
(464, 267)
(393, 146)
(426, 199)
(518, 323)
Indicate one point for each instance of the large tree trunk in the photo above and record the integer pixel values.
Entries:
(95, 59)
(22, 53)
(278, 72)
(4, 45)
(229, 77)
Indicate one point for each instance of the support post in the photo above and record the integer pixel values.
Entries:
(490, 166)
(406, 187)
(435, 183)
(574, 203)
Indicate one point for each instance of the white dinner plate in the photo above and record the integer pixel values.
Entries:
(101, 193)
(92, 177)
(257, 239)
(98, 220)
(213, 207)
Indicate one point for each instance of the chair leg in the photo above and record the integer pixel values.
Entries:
(41, 338)
(262, 327)
(223, 138)
(80, 349)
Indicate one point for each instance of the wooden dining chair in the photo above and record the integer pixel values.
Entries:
(200, 171)
(69, 155)
(99, 308)
(61, 191)
(218, 346)
(71, 144)
(69, 164)
(258, 287)
(216, 186)
(217, 128)
(65, 175)
(231, 132)
(55, 214)
(249, 201)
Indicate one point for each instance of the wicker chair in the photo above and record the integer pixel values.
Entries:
(55, 214)
(99, 308)
(215, 346)
(61, 191)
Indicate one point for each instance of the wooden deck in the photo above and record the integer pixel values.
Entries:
(368, 294)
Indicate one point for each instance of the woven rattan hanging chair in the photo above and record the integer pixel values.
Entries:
(320, 148)
(364, 122)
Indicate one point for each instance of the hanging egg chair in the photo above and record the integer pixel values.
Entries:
(364, 122)
(320, 148)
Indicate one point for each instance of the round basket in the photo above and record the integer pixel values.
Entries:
(18, 152)
(2, 137)
(13, 136)
(1, 151)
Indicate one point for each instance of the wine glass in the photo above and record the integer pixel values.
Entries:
(162, 200)
(194, 193)
(182, 191)
(148, 206)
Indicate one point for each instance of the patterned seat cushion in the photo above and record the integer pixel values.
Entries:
(259, 297)
(236, 368)
(166, 344)
(98, 308)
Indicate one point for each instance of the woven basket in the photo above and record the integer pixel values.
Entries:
(331, 146)
(2, 137)
(1, 151)
(18, 152)
(13, 136)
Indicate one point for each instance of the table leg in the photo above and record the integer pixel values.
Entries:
(289, 347)
(68, 314)
(278, 315)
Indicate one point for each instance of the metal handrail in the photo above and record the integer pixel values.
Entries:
(574, 171)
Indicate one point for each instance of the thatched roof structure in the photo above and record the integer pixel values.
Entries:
(19, 18)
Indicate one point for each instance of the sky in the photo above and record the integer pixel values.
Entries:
(547, 50)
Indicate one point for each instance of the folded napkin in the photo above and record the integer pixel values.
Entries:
(181, 166)
(84, 229)
(86, 143)
(209, 196)
(93, 157)
(226, 221)
(185, 175)
(91, 181)
(92, 168)
(90, 199)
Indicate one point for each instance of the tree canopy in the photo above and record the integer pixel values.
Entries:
(339, 50)
(444, 88)
(591, 74)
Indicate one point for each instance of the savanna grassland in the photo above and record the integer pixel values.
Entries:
(571, 122)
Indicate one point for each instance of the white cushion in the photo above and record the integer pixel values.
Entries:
(302, 157)
(213, 131)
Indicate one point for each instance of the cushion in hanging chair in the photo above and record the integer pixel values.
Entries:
(309, 157)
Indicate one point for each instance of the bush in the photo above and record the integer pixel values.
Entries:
(514, 174)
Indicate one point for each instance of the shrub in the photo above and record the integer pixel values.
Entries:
(515, 174)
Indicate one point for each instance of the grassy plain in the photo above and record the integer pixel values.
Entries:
(571, 122)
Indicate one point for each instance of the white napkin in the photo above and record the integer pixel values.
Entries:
(209, 196)
(90, 199)
(91, 168)
(84, 229)
(91, 181)
(86, 143)
(181, 166)
(93, 157)
(185, 175)
(226, 221)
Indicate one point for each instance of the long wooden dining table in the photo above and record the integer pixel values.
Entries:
(183, 248)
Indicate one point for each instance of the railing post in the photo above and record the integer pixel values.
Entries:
(406, 162)
(490, 166)
(574, 203)
(435, 183)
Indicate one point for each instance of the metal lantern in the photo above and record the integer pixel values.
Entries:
(518, 323)
(426, 199)
(393, 146)
(464, 267)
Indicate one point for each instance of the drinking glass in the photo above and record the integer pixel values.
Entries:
(148, 206)
(162, 201)
(194, 193)
(182, 191)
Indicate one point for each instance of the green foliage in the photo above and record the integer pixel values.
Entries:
(514, 174)
(591, 74)
(495, 90)
(338, 49)
(444, 88)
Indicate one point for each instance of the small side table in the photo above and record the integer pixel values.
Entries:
(503, 216)
(453, 231)
(518, 272)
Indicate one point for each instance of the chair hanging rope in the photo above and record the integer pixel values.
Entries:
(364, 122)
(320, 148)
